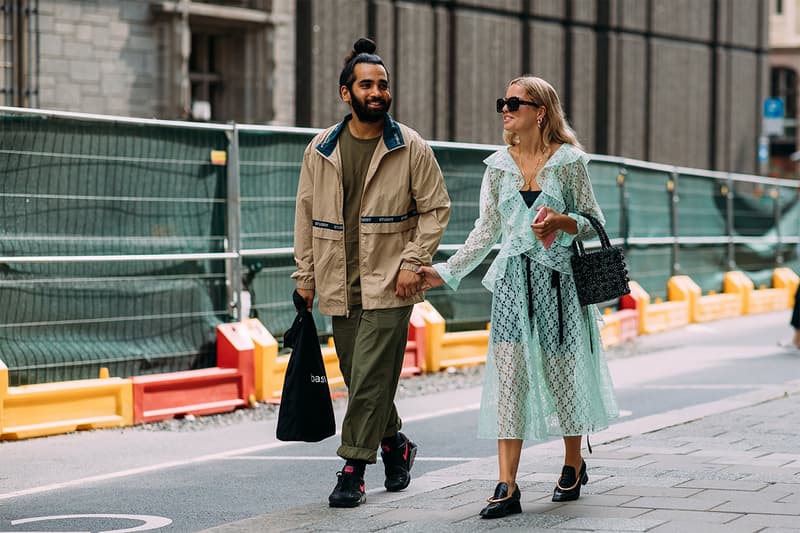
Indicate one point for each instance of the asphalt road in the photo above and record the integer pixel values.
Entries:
(179, 481)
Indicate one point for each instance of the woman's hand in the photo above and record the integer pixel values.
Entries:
(430, 278)
(550, 223)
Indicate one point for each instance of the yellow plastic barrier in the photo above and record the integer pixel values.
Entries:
(265, 357)
(658, 316)
(756, 301)
(53, 408)
(443, 350)
(786, 278)
(619, 326)
(704, 308)
(270, 368)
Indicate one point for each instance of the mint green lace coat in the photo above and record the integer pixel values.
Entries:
(535, 386)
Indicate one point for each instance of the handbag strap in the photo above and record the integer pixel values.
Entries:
(577, 244)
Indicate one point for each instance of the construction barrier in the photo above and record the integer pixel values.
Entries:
(619, 326)
(53, 408)
(265, 357)
(657, 316)
(205, 391)
(704, 308)
(763, 300)
(453, 349)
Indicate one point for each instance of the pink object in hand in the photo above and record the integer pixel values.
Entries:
(547, 242)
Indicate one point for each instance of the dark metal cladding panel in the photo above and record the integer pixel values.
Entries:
(584, 11)
(547, 49)
(514, 6)
(333, 36)
(745, 119)
(441, 90)
(740, 25)
(629, 105)
(679, 104)
(415, 67)
(485, 62)
(686, 19)
(629, 14)
(581, 103)
(548, 8)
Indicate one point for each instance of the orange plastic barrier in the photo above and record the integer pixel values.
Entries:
(52, 408)
(658, 316)
(704, 308)
(220, 389)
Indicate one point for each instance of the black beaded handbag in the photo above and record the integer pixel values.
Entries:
(600, 275)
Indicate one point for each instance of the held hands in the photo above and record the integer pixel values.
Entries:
(409, 283)
(430, 278)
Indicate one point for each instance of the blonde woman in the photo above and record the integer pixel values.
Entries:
(546, 374)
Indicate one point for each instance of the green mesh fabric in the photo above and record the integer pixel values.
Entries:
(73, 187)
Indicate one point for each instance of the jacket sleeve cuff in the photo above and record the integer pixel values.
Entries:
(408, 265)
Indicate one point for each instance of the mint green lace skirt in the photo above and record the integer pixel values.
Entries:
(537, 386)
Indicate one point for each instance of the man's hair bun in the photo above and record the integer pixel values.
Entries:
(364, 46)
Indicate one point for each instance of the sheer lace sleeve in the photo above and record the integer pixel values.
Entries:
(580, 199)
(482, 237)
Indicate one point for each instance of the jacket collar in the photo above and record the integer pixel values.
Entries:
(392, 136)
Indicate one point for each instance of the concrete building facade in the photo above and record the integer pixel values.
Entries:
(671, 81)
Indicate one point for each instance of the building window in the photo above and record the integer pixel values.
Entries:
(19, 53)
(778, 7)
(224, 73)
(783, 84)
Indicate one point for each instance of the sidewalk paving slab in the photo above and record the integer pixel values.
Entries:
(729, 466)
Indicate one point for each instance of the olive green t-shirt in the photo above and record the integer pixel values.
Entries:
(356, 156)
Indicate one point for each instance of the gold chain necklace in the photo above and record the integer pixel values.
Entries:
(538, 164)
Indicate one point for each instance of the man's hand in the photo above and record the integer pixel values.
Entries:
(430, 278)
(409, 283)
(308, 296)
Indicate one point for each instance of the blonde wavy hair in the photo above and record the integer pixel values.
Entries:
(554, 126)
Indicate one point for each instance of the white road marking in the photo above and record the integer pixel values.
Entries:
(150, 522)
(200, 459)
(336, 458)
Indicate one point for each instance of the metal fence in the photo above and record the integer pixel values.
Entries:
(124, 242)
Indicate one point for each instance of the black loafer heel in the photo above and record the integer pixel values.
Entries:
(501, 504)
(569, 485)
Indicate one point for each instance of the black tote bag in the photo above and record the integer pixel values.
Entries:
(306, 410)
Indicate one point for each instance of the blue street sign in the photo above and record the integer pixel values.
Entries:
(773, 108)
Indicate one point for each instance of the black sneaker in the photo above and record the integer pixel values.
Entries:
(397, 462)
(349, 490)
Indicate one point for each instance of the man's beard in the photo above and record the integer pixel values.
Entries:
(366, 114)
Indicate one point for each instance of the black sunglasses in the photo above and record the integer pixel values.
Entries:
(513, 103)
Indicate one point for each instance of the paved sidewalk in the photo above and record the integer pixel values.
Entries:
(731, 465)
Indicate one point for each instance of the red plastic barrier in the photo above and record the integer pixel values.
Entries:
(197, 392)
(229, 385)
(235, 349)
(414, 361)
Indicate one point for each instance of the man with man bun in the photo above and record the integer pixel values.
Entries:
(371, 209)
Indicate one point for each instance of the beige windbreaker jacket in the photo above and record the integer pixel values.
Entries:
(404, 211)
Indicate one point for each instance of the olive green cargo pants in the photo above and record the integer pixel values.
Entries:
(371, 345)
